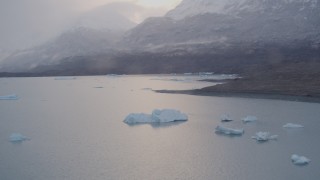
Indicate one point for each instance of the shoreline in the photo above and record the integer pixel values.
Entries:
(252, 95)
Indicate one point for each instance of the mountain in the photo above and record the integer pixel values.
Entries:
(232, 21)
(77, 42)
(94, 32)
(190, 8)
(228, 36)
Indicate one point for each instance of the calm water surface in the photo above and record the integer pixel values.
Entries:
(77, 132)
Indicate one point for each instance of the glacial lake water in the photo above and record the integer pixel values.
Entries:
(77, 132)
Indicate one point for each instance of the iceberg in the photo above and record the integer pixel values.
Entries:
(147, 89)
(290, 125)
(225, 118)
(157, 116)
(249, 119)
(229, 131)
(168, 115)
(64, 78)
(138, 118)
(16, 137)
(264, 136)
(113, 75)
(9, 97)
(300, 160)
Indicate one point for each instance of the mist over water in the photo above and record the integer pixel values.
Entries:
(77, 132)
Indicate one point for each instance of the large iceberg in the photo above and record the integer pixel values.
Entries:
(229, 131)
(168, 115)
(9, 97)
(157, 116)
(16, 137)
(138, 118)
(225, 118)
(249, 119)
(300, 160)
(290, 125)
(264, 136)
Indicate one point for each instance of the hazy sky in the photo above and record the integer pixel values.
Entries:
(25, 23)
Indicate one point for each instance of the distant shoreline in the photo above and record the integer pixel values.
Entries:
(254, 95)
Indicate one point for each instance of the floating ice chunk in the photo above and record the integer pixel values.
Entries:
(264, 136)
(113, 75)
(9, 97)
(225, 118)
(16, 137)
(229, 131)
(99, 87)
(168, 115)
(157, 116)
(290, 125)
(147, 89)
(249, 119)
(64, 78)
(138, 118)
(300, 160)
(205, 73)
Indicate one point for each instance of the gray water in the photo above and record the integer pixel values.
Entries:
(77, 133)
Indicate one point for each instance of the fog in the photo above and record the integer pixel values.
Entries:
(27, 23)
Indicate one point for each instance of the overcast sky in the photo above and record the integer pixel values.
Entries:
(25, 23)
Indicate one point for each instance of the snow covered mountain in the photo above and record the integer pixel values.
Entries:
(190, 8)
(226, 22)
(210, 29)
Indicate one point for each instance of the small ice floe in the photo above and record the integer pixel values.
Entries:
(249, 119)
(16, 138)
(157, 116)
(147, 89)
(264, 136)
(225, 118)
(300, 160)
(9, 97)
(113, 75)
(229, 131)
(99, 87)
(205, 73)
(64, 78)
(290, 125)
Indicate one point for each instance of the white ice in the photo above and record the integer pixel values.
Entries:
(9, 97)
(16, 137)
(249, 119)
(64, 78)
(264, 136)
(157, 116)
(225, 118)
(229, 131)
(138, 118)
(290, 125)
(300, 160)
(168, 115)
(147, 89)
